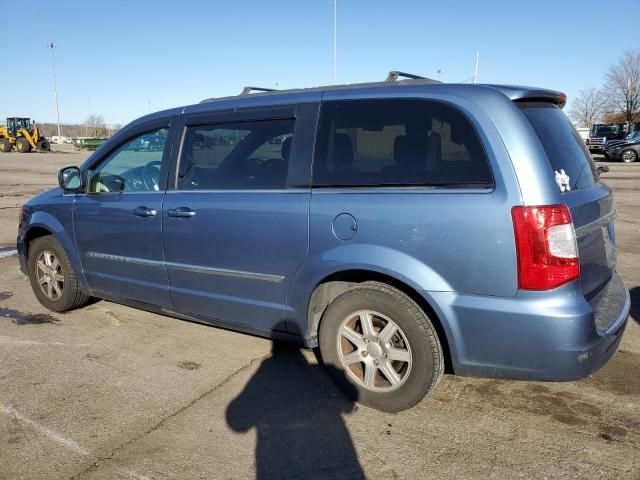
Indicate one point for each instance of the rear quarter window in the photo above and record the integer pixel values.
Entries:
(398, 142)
(562, 144)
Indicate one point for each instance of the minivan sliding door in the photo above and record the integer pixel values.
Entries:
(236, 225)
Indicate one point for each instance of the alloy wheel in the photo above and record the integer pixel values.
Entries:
(49, 275)
(374, 351)
(628, 156)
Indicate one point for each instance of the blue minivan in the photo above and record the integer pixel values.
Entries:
(402, 227)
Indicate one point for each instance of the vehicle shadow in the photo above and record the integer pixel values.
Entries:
(634, 293)
(296, 410)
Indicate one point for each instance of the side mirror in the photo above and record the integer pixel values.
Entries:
(70, 179)
(603, 169)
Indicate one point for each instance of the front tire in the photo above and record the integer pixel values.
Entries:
(23, 145)
(381, 347)
(629, 156)
(52, 277)
(44, 146)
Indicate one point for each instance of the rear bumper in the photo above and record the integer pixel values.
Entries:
(550, 336)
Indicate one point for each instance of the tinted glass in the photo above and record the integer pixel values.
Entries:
(246, 155)
(562, 143)
(397, 142)
(133, 167)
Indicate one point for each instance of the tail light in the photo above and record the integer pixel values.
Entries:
(546, 247)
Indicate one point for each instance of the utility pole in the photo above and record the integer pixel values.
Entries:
(52, 45)
(335, 22)
(86, 128)
(475, 68)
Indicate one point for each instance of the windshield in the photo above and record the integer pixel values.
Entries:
(564, 147)
(22, 123)
(603, 131)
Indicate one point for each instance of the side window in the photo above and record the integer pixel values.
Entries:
(399, 142)
(243, 155)
(133, 167)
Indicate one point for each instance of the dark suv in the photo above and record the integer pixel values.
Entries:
(627, 150)
(401, 227)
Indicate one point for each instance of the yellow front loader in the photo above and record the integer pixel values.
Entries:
(23, 134)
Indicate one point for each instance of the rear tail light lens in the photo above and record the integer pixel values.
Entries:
(546, 247)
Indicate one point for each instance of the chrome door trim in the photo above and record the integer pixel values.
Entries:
(239, 190)
(123, 259)
(189, 268)
(224, 272)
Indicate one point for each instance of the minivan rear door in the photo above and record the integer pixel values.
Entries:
(590, 202)
(236, 219)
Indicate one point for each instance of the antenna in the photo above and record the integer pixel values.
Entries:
(475, 68)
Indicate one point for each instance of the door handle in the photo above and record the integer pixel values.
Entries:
(144, 212)
(181, 212)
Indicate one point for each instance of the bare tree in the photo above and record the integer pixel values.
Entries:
(95, 123)
(622, 82)
(588, 107)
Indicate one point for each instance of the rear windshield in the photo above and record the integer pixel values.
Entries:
(564, 147)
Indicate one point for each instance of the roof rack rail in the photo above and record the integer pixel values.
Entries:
(395, 74)
(248, 90)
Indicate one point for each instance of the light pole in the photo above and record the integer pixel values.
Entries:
(335, 21)
(52, 45)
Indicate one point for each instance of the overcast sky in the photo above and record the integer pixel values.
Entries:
(124, 58)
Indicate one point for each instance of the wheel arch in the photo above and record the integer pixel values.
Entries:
(42, 224)
(34, 232)
(336, 283)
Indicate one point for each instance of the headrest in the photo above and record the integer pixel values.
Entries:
(434, 151)
(342, 150)
(285, 151)
(408, 150)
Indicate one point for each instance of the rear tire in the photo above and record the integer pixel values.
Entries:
(380, 347)
(53, 279)
(23, 145)
(5, 145)
(629, 156)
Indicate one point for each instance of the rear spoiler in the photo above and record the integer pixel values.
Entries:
(531, 94)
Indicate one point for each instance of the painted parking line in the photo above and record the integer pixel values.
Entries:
(8, 252)
(56, 437)
(6, 340)
(60, 439)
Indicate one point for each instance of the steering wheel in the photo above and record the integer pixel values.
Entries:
(151, 175)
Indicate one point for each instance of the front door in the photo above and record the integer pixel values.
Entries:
(235, 226)
(118, 221)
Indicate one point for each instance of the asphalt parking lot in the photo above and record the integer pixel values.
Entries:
(112, 392)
